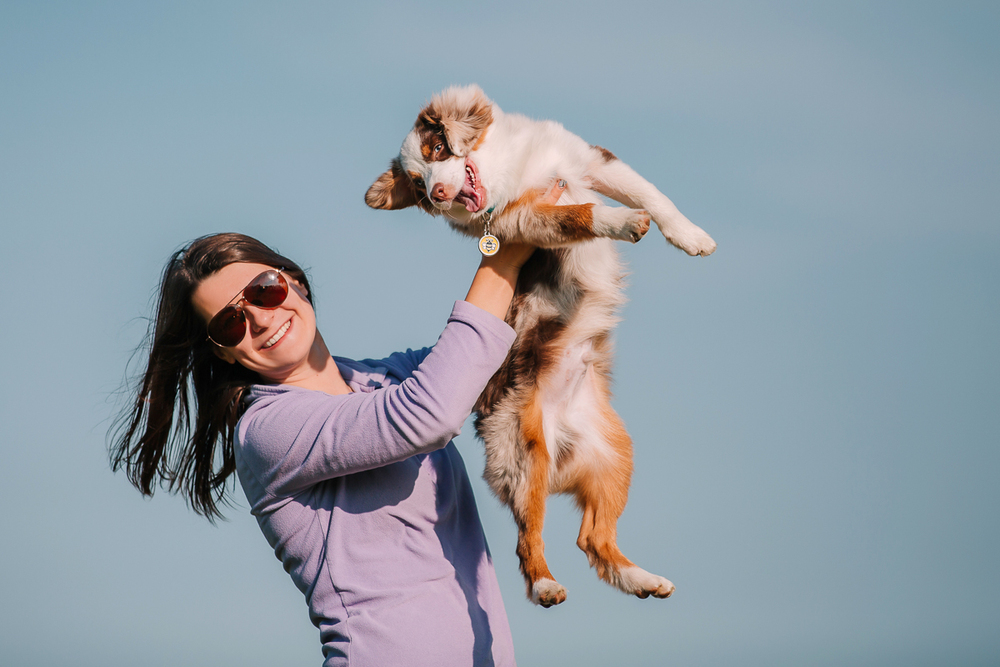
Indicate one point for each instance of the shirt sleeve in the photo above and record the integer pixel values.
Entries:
(296, 438)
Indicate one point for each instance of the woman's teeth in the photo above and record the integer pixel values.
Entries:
(277, 336)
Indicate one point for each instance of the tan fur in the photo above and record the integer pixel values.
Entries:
(529, 503)
(601, 491)
(391, 190)
(562, 224)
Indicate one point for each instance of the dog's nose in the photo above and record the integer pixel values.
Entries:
(439, 193)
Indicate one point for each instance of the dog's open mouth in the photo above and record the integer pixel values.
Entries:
(472, 194)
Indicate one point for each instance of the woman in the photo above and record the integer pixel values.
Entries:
(348, 466)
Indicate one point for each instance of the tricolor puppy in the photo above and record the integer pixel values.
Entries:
(545, 417)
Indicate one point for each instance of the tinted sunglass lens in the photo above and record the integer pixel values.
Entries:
(228, 327)
(268, 290)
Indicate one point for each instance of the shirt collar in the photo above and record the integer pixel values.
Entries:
(361, 377)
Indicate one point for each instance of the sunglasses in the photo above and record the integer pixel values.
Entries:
(229, 326)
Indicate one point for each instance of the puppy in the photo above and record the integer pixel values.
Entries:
(545, 417)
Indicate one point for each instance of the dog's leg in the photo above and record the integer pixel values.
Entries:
(613, 178)
(551, 225)
(528, 507)
(517, 470)
(600, 485)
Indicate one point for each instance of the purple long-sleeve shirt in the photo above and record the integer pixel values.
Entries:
(367, 503)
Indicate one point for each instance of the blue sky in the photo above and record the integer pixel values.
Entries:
(814, 407)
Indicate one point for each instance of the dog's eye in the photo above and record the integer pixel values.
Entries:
(437, 148)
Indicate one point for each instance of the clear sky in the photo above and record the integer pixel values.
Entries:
(814, 407)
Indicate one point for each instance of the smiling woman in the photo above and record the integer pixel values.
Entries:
(274, 337)
(154, 441)
(348, 466)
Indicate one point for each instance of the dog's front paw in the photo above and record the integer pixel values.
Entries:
(692, 239)
(624, 224)
(637, 225)
(547, 593)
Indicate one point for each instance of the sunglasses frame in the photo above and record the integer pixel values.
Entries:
(236, 301)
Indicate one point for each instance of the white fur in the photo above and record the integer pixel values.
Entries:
(639, 582)
(546, 592)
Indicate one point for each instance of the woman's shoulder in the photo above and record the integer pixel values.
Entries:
(272, 409)
(365, 376)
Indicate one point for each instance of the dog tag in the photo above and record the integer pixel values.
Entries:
(489, 245)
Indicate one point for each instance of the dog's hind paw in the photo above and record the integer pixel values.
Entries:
(642, 584)
(664, 589)
(548, 593)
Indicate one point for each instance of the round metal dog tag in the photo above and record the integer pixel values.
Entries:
(489, 245)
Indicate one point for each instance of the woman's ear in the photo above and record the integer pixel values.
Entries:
(223, 353)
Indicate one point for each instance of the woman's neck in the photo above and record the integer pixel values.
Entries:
(320, 373)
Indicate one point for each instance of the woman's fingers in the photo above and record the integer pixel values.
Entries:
(554, 192)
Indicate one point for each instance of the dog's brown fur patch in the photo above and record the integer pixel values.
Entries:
(605, 153)
(462, 125)
(433, 140)
(392, 190)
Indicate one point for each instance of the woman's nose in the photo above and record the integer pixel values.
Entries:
(258, 318)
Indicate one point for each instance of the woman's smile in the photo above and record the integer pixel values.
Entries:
(279, 334)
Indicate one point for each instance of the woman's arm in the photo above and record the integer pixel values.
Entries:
(294, 438)
(493, 286)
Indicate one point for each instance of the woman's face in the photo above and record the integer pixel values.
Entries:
(279, 340)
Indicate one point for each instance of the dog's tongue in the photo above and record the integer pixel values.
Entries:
(471, 197)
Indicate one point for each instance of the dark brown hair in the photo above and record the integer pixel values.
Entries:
(153, 439)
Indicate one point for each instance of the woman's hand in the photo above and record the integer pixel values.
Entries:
(493, 286)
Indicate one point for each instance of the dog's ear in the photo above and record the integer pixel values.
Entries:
(392, 190)
(463, 114)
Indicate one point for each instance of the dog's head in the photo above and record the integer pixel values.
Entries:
(434, 169)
